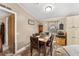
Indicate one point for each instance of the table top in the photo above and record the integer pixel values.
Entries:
(43, 39)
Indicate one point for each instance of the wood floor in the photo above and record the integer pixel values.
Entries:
(59, 52)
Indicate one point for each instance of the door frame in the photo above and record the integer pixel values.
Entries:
(10, 11)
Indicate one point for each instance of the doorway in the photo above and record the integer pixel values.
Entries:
(8, 30)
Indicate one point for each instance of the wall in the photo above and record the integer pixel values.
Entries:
(63, 21)
(50, 23)
(47, 24)
(24, 30)
(0, 21)
(54, 21)
(3, 19)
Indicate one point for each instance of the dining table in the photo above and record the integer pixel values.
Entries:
(44, 40)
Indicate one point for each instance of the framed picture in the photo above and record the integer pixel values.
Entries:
(31, 22)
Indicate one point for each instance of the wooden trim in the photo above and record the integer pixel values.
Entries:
(11, 33)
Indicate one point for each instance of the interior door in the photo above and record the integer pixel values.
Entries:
(11, 33)
(40, 28)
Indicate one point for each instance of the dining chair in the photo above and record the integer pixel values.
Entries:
(36, 34)
(49, 44)
(35, 44)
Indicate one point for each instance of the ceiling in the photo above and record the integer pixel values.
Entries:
(60, 10)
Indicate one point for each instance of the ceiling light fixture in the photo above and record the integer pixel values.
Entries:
(49, 8)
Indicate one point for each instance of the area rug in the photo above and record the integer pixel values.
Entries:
(58, 51)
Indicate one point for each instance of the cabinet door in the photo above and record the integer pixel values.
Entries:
(73, 36)
(76, 21)
(72, 27)
(70, 36)
(76, 41)
(73, 21)
(69, 22)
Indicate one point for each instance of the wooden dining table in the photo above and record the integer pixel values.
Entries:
(44, 40)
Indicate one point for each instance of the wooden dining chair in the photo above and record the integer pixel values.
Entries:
(36, 34)
(35, 44)
(49, 44)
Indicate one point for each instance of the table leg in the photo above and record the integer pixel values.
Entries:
(44, 49)
(51, 49)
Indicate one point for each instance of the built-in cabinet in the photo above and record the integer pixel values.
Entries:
(61, 39)
(72, 28)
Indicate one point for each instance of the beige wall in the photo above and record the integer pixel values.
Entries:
(47, 24)
(5, 20)
(56, 22)
(23, 29)
(5, 46)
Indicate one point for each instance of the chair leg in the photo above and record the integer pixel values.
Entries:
(44, 49)
(38, 52)
(51, 50)
(31, 50)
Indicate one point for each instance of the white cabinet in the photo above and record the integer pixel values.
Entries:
(76, 21)
(72, 28)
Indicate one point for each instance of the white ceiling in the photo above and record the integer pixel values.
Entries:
(60, 10)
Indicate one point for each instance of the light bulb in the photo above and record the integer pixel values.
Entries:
(48, 9)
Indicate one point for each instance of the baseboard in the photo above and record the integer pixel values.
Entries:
(22, 49)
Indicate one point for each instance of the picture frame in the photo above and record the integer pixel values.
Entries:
(31, 22)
